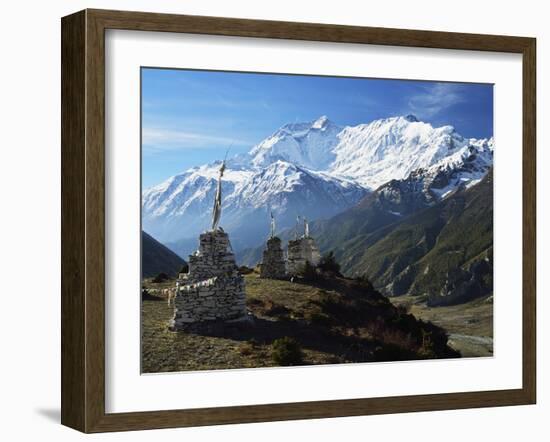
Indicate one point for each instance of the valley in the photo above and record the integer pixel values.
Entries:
(469, 325)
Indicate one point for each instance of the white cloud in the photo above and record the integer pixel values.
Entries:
(157, 140)
(435, 98)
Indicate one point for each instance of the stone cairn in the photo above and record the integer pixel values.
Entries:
(273, 261)
(213, 290)
(299, 251)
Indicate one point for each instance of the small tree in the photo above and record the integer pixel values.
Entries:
(328, 263)
(286, 351)
(184, 268)
(244, 270)
(308, 272)
(364, 282)
(161, 277)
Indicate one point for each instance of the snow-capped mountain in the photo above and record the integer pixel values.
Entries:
(423, 187)
(392, 148)
(181, 206)
(310, 145)
(318, 169)
(371, 154)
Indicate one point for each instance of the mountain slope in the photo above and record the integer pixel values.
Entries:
(444, 251)
(157, 258)
(393, 202)
(397, 199)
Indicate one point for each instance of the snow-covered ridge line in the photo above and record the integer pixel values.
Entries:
(316, 169)
(371, 154)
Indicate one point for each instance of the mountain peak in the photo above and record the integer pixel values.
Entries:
(411, 118)
(307, 144)
(298, 128)
(320, 122)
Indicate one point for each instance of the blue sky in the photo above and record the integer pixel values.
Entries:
(191, 117)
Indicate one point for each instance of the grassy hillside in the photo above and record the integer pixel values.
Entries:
(330, 320)
(157, 258)
(432, 252)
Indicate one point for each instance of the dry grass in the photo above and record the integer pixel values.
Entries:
(165, 351)
(331, 323)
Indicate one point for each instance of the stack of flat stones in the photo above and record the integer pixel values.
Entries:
(300, 251)
(213, 290)
(273, 262)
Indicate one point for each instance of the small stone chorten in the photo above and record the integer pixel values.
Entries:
(213, 290)
(302, 250)
(273, 262)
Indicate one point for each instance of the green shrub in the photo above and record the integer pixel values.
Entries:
(330, 303)
(286, 351)
(403, 309)
(184, 268)
(308, 272)
(248, 347)
(364, 283)
(328, 264)
(254, 302)
(427, 351)
(161, 277)
(275, 310)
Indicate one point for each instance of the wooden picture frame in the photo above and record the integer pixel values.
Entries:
(83, 220)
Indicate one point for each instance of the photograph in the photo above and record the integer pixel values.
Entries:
(293, 220)
(271, 221)
(279, 216)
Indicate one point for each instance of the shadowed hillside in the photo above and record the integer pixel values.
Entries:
(444, 251)
(157, 258)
